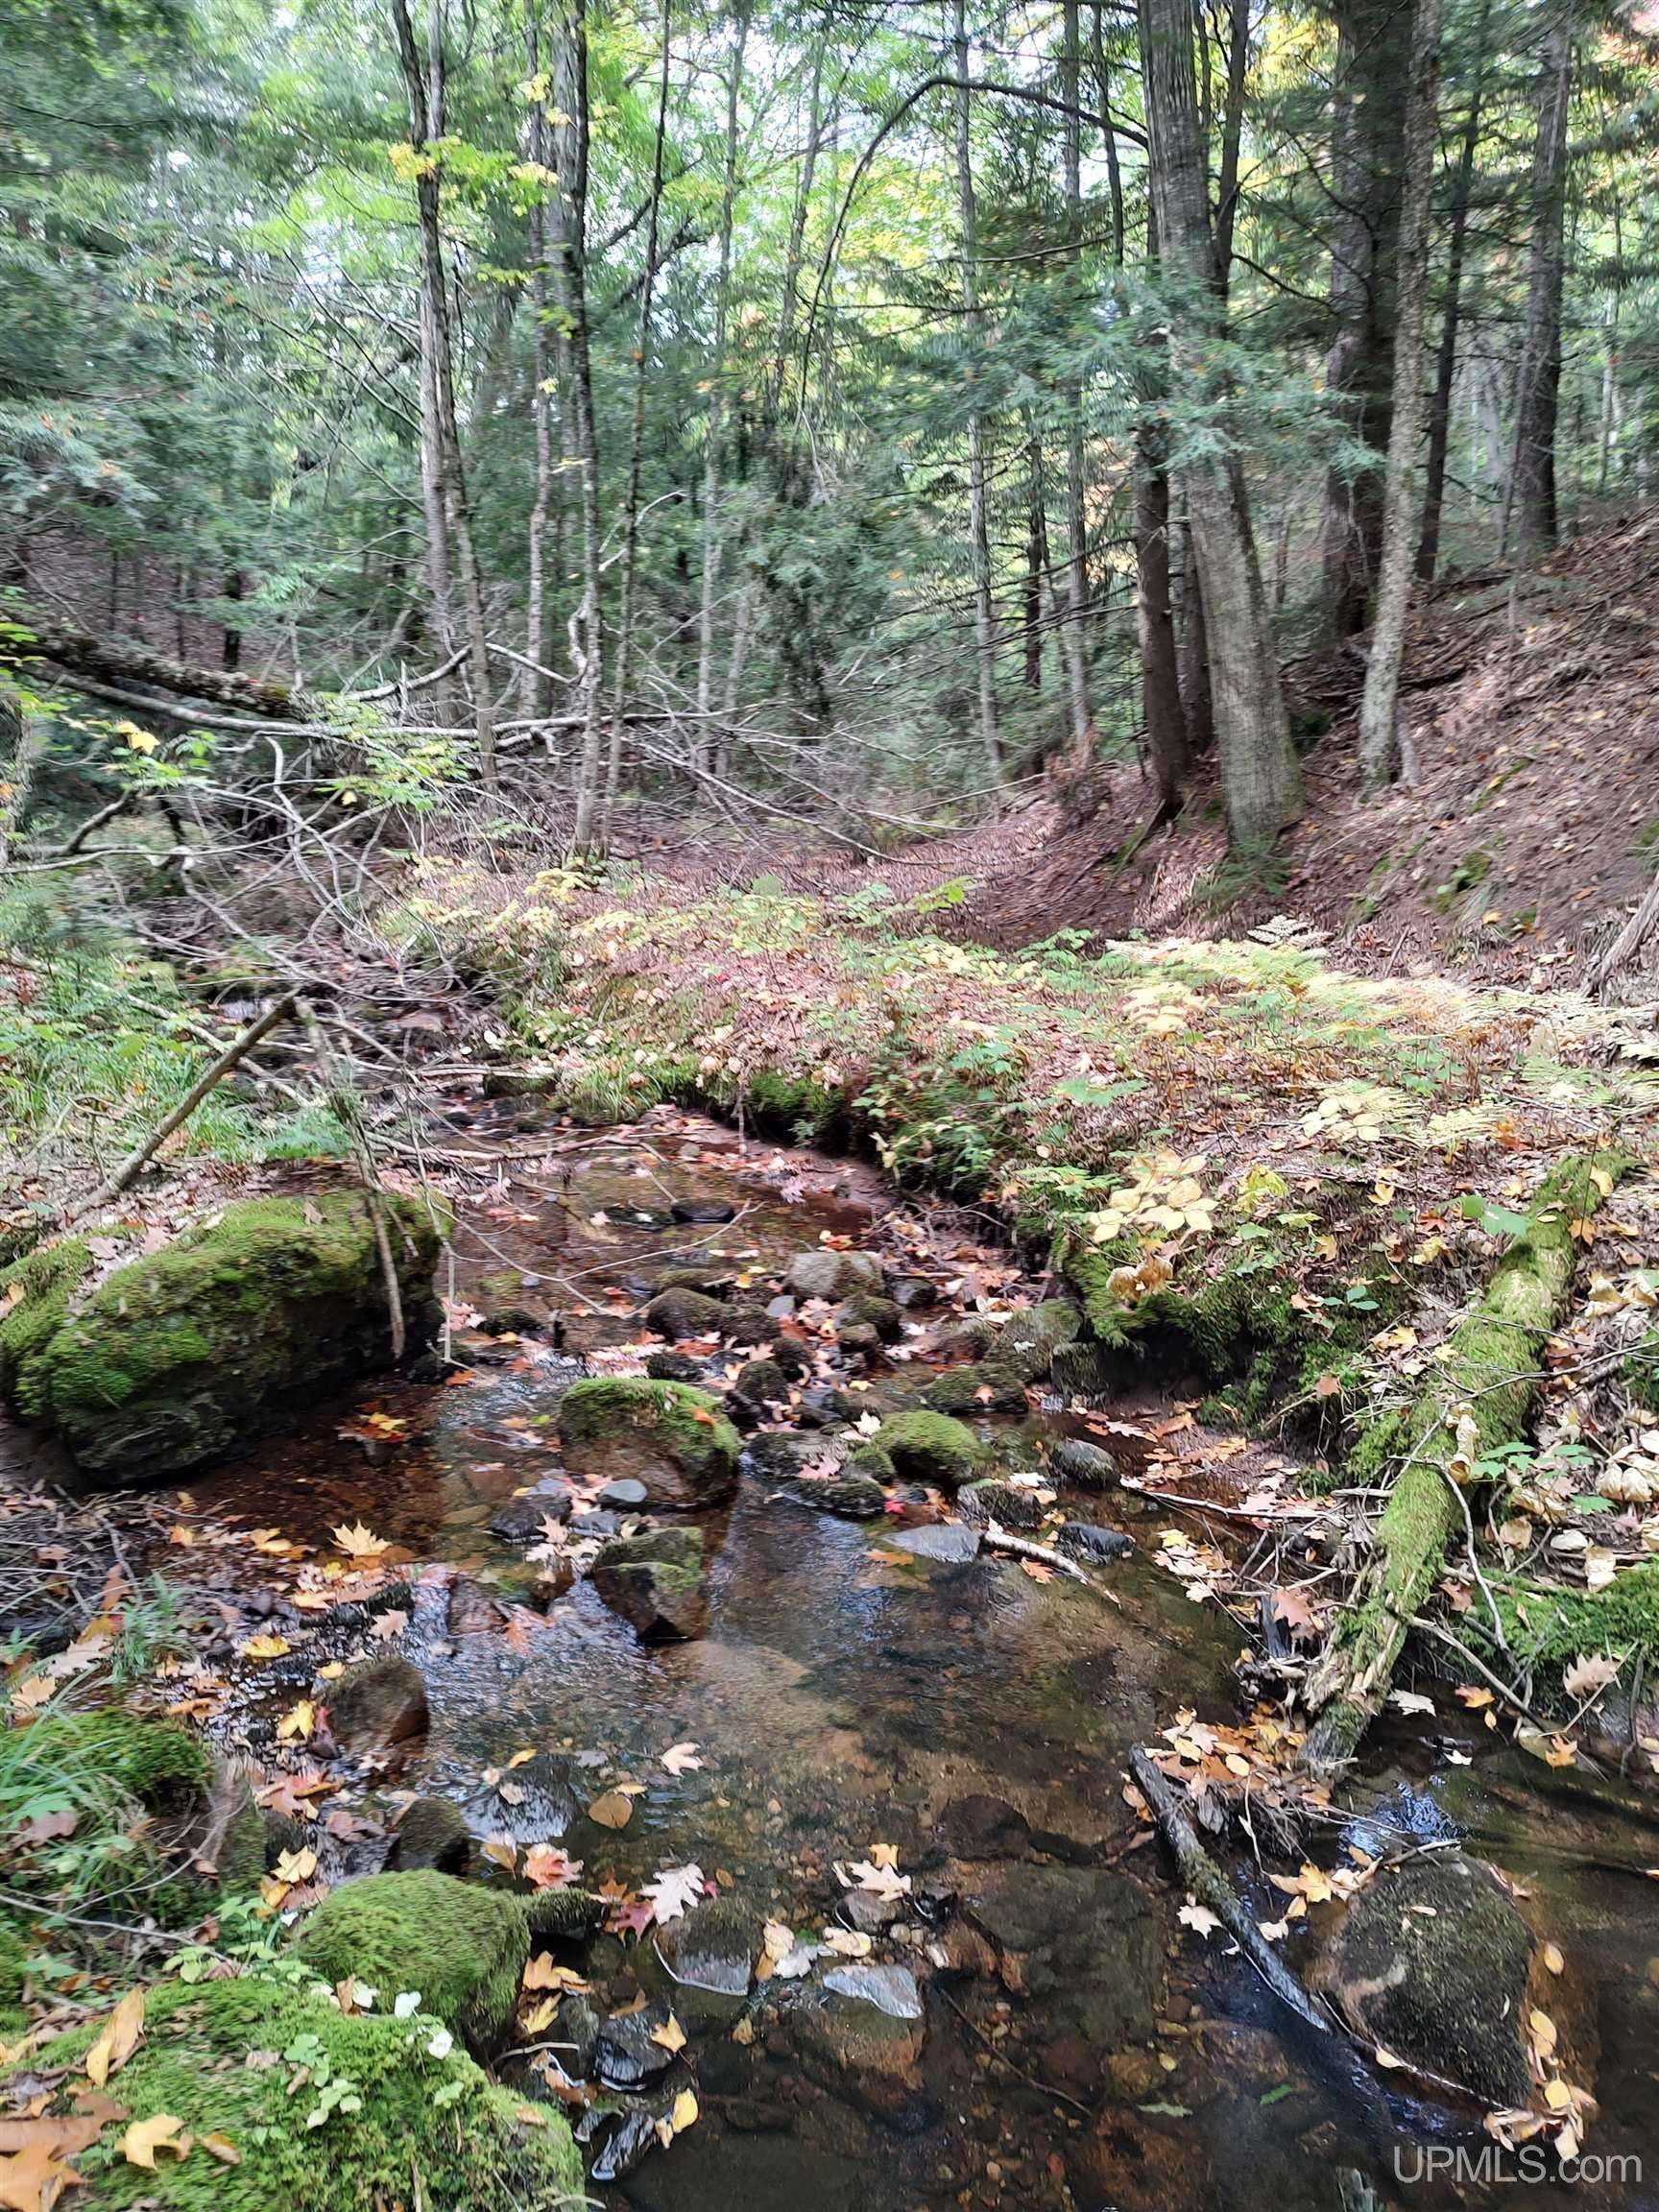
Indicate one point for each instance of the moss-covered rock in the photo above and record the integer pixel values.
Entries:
(1008, 1503)
(1546, 1628)
(1432, 1963)
(671, 1436)
(412, 2112)
(165, 1825)
(932, 1448)
(378, 1703)
(654, 1581)
(179, 1358)
(1030, 1339)
(827, 1273)
(461, 1947)
(865, 1311)
(679, 1312)
(983, 1386)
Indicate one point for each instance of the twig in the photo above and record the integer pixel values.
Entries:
(1031, 2081)
(373, 1195)
(113, 1185)
(1211, 1888)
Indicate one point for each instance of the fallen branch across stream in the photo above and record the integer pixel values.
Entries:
(1211, 1887)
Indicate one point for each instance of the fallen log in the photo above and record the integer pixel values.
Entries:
(78, 652)
(1211, 1887)
(1479, 1398)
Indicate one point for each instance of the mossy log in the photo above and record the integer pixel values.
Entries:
(1486, 1382)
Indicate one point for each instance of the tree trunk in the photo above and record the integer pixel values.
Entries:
(1260, 780)
(978, 534)
(1113, 167)
(1036, 557)
(534, 693)
(1166, 747)
(1192, 653)
(713, 545)
(1232, 136)
(1082, 720)
(1372, 63)
(1379, 707)
(636, 437)
(1529, 510)
(567, 243)
(1446, 362)
(446, 493)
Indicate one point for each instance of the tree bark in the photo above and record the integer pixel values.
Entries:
(567, 243)
(713, 543)
(533, 693)
(1260, 780)
(978, 534)
(1529, 519)
(1036, 557)
(1372, 66)
(1167, 740)
(428, 122)
(637, 436)
(1379, 705)
(1446, 362)
(1082, 720)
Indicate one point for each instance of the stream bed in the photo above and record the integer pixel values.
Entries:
(1031, 2025)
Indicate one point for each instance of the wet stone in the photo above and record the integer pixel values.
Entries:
(378, 1703)
(828, 1274)
(912, 1294)
(1008, 1503)
(1083, 1540)
(432, 1833)
(678, 1313)
(596, 1523)
(890, 1990)
(624, 2055)
(981, 1826)
(533, 1803)
(523, 1520)
(1083, 1945)
(1085, 1464)
(823, 1405)
(674, 1367)
(712, 1947)
(708, 1212)
(951, 1547)
(625, 1494)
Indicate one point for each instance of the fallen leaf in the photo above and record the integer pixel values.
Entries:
(358, 1542)
(1199, 1918)
(671, 2036)
(613, 1810)
(674, 1891)
(161, 2131)
(117, 2040)
(682, 1759)
(265, 1647)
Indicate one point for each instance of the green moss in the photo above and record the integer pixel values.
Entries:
(160, 1767)
(1545, 1629)
(632, 1424)
(176, 1359)
(870, 1458)
(420, 2122)
(463, 1947)
(983, 1387)
(46, 1279)
(932, 1448)
(1030, 1339)
(14, 1953)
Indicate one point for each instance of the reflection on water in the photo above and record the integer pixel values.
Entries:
(847, 1693)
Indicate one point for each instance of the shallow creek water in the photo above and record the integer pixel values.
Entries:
(845, 1694)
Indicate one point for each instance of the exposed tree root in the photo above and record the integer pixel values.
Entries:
(1479, 1398)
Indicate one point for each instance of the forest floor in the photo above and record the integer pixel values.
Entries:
(1533, 818)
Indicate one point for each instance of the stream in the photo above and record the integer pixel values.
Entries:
(1074, 2046)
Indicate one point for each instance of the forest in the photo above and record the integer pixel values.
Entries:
(829, 1075)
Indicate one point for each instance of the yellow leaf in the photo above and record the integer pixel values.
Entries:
(1542, 2029)
(671, 2036)
(118, 2040)
(161, 2131)
(612, 1810)
(296, 1865)
(358, 1542)
(265, 1647)
(223, 2148)
(1557, 2096)
(1553, 1959)
(300, 1720)
(684, 2112)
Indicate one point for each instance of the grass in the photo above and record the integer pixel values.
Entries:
(97, 1045)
